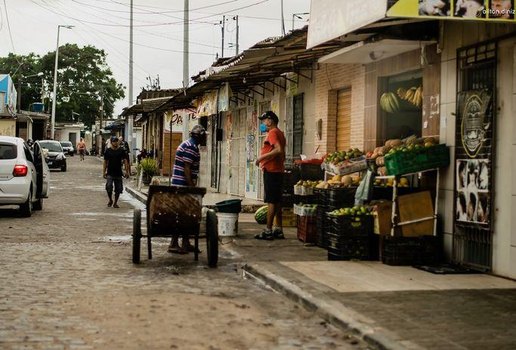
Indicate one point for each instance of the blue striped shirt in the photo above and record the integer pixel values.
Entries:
(187, 152)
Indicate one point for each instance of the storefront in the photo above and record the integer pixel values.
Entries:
(466, 73)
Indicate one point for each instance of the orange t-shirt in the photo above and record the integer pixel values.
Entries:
(275, 137)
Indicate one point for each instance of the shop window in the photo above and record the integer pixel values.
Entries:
(401, 100)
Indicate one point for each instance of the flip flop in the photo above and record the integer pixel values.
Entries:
(177, 250)
(264, 236)
(110, 203)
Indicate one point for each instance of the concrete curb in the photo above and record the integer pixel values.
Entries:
(136, 194)
(333, 312)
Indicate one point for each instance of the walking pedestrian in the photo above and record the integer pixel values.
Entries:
(114, 159)
(81, 148)
(125, 146)
(185, 173)
(272, 163)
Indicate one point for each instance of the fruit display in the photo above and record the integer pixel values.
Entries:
(412, 144)
(356, 211)
(261, 215)
(306, 187)
(389, 102)
(345, 162)
(340, 181)
(305, 209)
(403, 182)
(414, 95)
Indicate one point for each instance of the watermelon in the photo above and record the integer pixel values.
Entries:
(261, 215)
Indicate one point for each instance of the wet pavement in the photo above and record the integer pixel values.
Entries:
(68, 283)
(390, 307)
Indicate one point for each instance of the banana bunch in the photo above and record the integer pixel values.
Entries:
(414, 95)
(389, 102)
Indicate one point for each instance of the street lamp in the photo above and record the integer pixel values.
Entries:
(54, 92)
(298, 16)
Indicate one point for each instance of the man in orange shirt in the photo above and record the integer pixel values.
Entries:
(272, 162)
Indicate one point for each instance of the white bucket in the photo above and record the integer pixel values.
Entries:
(227, 224)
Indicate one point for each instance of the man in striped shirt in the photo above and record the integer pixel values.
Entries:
(185, 173)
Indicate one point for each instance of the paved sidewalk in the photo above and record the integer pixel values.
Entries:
(390, 307)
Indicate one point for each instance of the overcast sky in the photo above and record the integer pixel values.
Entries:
(158, 32)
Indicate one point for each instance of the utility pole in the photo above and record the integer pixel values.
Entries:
(237, 29)
(282, 20)
(100, 142)
(223, 30)
(186, 78)
(130, 121)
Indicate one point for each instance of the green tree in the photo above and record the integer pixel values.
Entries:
(83, 79)
(23, 70)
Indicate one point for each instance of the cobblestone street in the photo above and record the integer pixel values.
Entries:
(67, 282)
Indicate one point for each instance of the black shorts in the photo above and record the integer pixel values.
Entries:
(273, 187)
(116, 182)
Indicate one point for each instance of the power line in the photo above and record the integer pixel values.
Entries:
(9, 27)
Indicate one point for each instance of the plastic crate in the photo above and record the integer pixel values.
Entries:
(350, 226)
(337, 197)
(424, 158)
(309, 171)
(306, 229)
(401, 251)
(348, 248)
(353, 166)
(313, 199)
(288, 217)
(305, 211)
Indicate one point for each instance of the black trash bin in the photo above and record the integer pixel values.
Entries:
(229, 206)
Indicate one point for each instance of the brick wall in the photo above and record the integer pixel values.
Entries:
(329, 79)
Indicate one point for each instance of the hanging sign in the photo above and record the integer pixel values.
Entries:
(474, 153)
(480, 10)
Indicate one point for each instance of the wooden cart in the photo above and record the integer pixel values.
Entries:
(174, 210)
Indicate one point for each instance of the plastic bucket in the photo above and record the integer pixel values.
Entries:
(227, 224)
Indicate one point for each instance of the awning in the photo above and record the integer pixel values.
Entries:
(263, 62)
(333, 19)
(367, 52)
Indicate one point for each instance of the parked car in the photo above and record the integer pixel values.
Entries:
(67, 147)
(54, 154)
(24, 176)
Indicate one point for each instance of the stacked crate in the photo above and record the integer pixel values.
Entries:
(328, 200)
(351, 237)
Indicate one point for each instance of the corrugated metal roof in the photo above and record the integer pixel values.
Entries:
(263, 62)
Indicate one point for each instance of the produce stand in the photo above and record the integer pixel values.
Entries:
(396, 249)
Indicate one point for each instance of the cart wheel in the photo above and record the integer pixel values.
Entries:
(137, 235)
(212, 238)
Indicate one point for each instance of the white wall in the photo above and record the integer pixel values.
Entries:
(456, 35)
(504, 238)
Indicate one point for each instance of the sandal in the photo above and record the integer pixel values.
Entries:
(278, 234)
(177, 250)
(265, 235)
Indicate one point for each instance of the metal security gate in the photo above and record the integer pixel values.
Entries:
(475, 156)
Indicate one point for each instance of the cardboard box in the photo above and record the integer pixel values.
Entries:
(288, 217)
(416, 206)
(382, 217)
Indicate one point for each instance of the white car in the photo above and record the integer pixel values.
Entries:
(24, 175)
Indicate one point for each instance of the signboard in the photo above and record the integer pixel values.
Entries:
(480, 10)
(207, 104)
(330, 19)
(473, 169)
